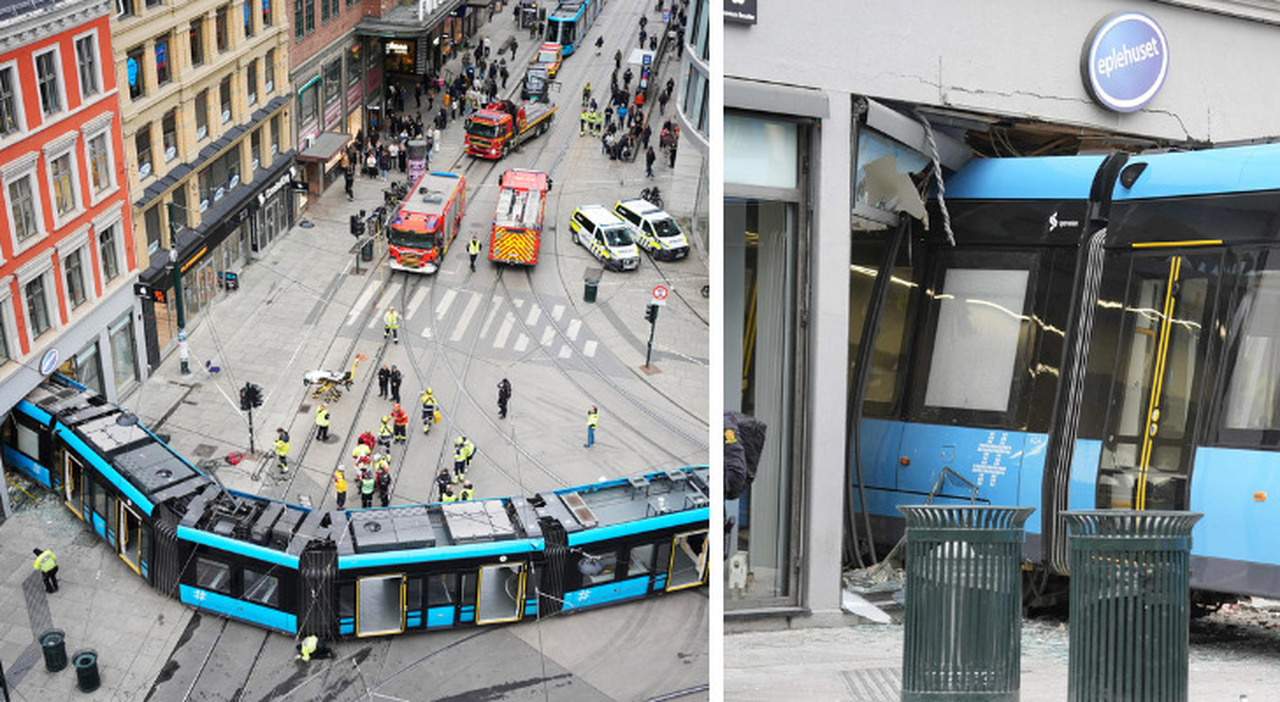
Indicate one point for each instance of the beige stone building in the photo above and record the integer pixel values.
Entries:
(205, 99)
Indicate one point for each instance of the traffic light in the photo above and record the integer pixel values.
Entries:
(651, 313)
(245, 405)
(250, 397)
(357, 226)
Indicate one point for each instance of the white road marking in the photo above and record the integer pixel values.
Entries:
(574, 327)
(557, 312)
(589, 349)
(565, 351)
(533, 314)
(519, 303)
(359, 308)
(426, 332)
(547, 335)
(494, 303)
(504, 331)
(473, 304)
(383, 303)
(522, 343)
(443, 306)
(415, 302)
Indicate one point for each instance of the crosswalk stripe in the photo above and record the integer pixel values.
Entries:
(522, 343)
(589, 349)
(519, 303)
(383, 303)
(494, 304)
(415, 302)
(574, 327)
(547, 335)
(533, 313)
(565, 352)
(557, 312)
(504, 330)
(359, 308)
(443, 305)
(473, 303)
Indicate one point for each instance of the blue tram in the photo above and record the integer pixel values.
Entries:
(567, 25)
(1104, 333)
(358, 572)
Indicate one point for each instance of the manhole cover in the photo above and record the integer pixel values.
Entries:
(204, 450)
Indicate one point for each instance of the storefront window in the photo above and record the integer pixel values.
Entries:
(760, 152)
(123, 354)
(400, 56)
(88, 368)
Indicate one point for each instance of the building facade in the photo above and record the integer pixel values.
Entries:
(67, 261)
(693, 100)
(208, 143)
(924, 87)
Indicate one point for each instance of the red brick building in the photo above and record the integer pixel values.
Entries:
(67, 259)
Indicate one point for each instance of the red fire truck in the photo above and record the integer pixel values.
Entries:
(503, 125)
(517, 223)
(427, 222)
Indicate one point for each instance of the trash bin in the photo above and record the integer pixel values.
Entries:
(53, 643)
(1130, 604)
(86, 663)
(366, 251)
(962, 636)
(589, 291)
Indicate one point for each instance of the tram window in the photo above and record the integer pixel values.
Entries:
(1251, 400)
(469, 588)
(442, 589)
(346, 601)
(97, 496)
(212, 575)
(28, 441)
(641, 560)
(261, 588)
(886, 373)
(608, 569)
(413, 595)
(664, 556)
(979, 315)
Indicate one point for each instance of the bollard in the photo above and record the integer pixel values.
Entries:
(589, 290)
(86, 663)
(1130, 604)
(53, 643)
(963, 627)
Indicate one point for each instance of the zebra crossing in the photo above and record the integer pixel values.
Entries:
(516, 324)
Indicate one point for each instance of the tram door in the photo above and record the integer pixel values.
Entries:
(73, 484)
(130, 544)
(688, 567)
(380, 601)
(501, 596)
(1164, 324)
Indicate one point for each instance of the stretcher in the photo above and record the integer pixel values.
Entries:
(328, 385)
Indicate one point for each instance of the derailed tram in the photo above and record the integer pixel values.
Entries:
(356, 572)
(1103, 333)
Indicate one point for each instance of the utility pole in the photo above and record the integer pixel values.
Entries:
(183, 353)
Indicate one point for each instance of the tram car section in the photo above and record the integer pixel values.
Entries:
(359, 572)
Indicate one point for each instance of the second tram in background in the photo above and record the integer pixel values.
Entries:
(427, 222)
(568, 23)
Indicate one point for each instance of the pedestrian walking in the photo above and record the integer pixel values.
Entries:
(593, 418)
(673, 156)
(391, 322)
(429, 410)
(417, 93)
(649, 158)
(366, 488)
(349, 180)
(322, 423)
(504, 396)
(401, 420)
(473, 250)
(340, 487)
(617, 59)
(47, 564)
(646, 135)
(282, 449)
(382, 481)
(644, 36)
(396, 379)
(384, 378)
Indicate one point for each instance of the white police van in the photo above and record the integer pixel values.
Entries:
(654, 230)
(605, 236)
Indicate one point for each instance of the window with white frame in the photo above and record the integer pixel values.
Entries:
(62, 180)
(48, 82)
(99, 157)
(9, 349)
(10, 101)
(110, 255)
(23, 198)
(89, 65)
(36, 294)
(73, 272)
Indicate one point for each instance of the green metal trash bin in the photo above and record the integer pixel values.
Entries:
(366, 251)
(53, 643)
(962, 637)
(1130, 604)
(86, 663)
(589, 291)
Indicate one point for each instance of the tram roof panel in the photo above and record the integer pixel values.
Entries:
(1026, 178)
(1235, 169)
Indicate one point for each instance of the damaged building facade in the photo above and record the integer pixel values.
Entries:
(827, 146)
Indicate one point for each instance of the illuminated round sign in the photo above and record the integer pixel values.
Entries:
(50, 362)
(1125, 61)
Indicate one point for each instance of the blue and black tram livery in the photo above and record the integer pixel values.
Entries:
(1103, 333)
(360, 572)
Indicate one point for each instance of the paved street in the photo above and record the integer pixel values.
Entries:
(303, 306)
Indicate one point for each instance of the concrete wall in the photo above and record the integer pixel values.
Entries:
(1019, 58)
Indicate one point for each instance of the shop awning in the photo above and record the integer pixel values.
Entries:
(325, 147)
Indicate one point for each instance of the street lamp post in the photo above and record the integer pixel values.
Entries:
(183, 353)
